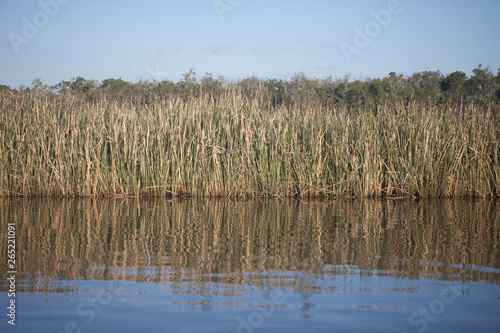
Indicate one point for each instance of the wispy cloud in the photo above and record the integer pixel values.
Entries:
(216, 48)
(284, 46)
(168, 50)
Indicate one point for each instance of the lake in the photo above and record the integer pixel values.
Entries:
(205, 265)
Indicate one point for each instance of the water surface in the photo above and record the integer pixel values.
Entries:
(126, 265)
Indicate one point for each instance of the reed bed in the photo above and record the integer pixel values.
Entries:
(235, 147)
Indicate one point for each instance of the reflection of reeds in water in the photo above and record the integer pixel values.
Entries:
(229, 242)
(59, 146)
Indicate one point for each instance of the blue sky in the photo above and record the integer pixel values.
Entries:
(157, 40)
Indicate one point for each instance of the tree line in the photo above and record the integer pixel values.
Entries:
(481, 88)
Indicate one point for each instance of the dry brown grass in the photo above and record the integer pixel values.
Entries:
(60, 146)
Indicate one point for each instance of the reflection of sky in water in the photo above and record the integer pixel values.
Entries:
(348, 301)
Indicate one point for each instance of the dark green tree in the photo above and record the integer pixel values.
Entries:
(454, 86)
(251, 87)
(480, 86)
(114, 85)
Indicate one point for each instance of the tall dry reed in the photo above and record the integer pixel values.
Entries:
(60, 146)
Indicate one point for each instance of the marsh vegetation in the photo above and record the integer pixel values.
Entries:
(212, 139)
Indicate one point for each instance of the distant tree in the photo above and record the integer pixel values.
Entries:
(394, 84)
(211, 86)
(426, 86)
(454, 81)
(480, 86)
(340, 92)
(325, 91)
(251, 87)
(114, 85)
(3, 87)
(430, 86)
(454, 86)
(117, 89)
(376, 91)
(77, 85)
(166, 88)
(190, 77)
(38, 85)
(355, 94)
(189, 86)
(301, 89)
(276, 92)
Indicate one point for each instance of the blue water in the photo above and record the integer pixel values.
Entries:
(177, 291)
(301, 302)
